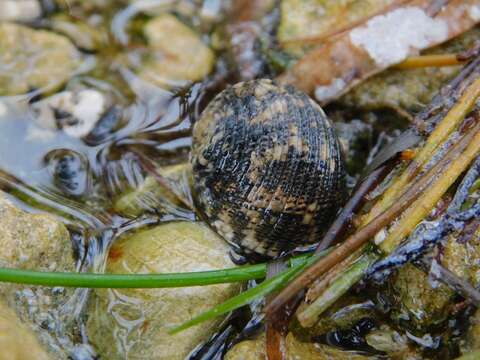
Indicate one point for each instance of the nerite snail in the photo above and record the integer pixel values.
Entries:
(267, 167)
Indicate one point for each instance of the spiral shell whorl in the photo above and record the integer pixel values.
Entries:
(268, 170)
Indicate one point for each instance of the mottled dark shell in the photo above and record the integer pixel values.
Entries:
(268, 170)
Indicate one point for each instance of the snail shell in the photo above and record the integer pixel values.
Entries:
(267, 167)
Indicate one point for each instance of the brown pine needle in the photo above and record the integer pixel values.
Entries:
(308, 315)
(364, 234)
(320, 285)
(357, 200)
(275, 329)
(427, 201)
(438, 136)
(460, 94)
(350, 245)
(422, 61)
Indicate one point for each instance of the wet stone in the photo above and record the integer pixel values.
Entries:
(34, 59)
(391, 342)
(17, 341)
(178, 55)
(255, 350)
(35, 242)
(32, 241)
(75, 112)
(82, 34)
(150, 196)
(78, 6)
(133, 323)
(415, 302)
(69, 171)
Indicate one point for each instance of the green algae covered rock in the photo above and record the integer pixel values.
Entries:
(178, 54)
(472, 339)
(34, 59)
(416, 303)
(82, 34)
(36, 242)
(153, 197)
(133, 323)
(33, 241)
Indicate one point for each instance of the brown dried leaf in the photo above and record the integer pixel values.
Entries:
(384, 40)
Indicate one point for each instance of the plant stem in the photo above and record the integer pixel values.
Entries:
(90, 280)
(439, 178)
(265, 288)
(357, 200)
(437, 137)
(275, 328)
(438, 60)
(339, 286)
(319, 286)
(451, 105)
(422, 206)
(136, 281)
(350, 245)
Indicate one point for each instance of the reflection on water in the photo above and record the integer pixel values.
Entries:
(78, 178)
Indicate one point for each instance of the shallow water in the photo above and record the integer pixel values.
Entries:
(78, 178)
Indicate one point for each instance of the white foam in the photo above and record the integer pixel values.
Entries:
(474, 12)
(90, 104)
(84, 107)
(390, 38)
(323, 93)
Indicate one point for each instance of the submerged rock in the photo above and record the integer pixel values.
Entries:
(32, 241)
(153, 197)
(391, 342)
(255, 350)
(70, 172)
(34, 59)
(36, 242)
(74, 112)
(16, 340)
(416, 303)
(82, 34)
(133, 323)
(178, 54)
(471, 341)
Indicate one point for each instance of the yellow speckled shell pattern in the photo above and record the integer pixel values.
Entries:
(268, 170)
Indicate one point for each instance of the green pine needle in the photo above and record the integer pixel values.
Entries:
(131, 281)
(265, 288)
